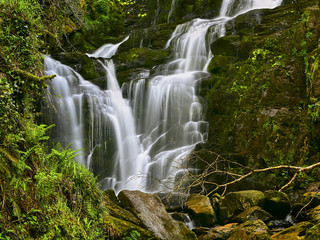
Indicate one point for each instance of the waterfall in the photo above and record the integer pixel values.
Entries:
(141, 141)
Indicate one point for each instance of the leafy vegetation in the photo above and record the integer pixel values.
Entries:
(44, 194)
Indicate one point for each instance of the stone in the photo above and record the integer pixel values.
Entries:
(200, 209)
(254, 213)
(122, 229)
(218, 232)
(250, 230)
(115, 210)
(236, 202)
(277, 204)
(295, 232)
(151, 211)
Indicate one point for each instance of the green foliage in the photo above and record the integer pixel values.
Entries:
(47, 195)
(314, 110)
(133, 235)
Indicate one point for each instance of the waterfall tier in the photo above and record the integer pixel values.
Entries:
(142, 141)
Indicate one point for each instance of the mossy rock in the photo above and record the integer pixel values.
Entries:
(254, 213)
(140, 57)
(314, 214)
(218, 232)
(251, 230)
(115, 209)
(236, 202)
(201, 210)
(122, 229)
(277, 203)
(296, 232)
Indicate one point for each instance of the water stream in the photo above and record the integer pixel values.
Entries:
(142, 141)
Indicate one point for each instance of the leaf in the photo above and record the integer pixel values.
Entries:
(16, 209)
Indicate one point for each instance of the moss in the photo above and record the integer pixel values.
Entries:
(295, 232)
(257, 96)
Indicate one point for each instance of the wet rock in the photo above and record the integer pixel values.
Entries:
(295, 232)
(254, 213)
(215, 233)
(88, 68)
(200, 209)
(236, 202)
(182, 217)
(275, 225)
(277, 203)
(250, 230)
(151, 211)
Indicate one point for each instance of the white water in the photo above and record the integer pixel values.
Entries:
(137, 142)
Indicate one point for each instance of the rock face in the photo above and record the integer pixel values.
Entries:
(261, 74)
(150, 210)
(236, 202)
(200, 209)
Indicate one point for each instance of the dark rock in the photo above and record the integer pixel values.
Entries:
(277, 203)
(236, 202)
(200, 209)
(311, 198)
(173, 201)
(151, 211)
(250, 230)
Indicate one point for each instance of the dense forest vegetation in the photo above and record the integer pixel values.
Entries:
(257, 119)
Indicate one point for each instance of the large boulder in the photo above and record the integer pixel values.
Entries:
(152, 213)
(200, 209)
(277, 203)
(250, 230)
(236, 202)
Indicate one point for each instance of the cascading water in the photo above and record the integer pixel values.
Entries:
(142, 141)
